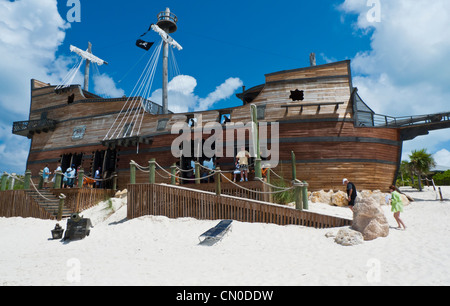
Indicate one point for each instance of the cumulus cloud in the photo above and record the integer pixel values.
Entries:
(13, 151)
(405, 71)
(104, 85)
(30, 34)
(183, 99)
(442, 158)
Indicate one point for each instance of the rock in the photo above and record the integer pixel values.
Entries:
(348, 237)
(369, 219)
(321, 196)
(121, 194)
(330, 234)
(340, 199)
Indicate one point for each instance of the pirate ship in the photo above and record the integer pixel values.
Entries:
(317, 110)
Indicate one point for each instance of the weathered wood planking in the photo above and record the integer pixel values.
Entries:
(325, 140)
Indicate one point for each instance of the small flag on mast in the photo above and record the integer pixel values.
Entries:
(144, 44)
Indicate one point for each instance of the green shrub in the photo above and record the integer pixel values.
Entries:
(442, 178)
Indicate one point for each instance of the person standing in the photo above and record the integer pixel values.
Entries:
(45, 175)
(243, 156)
(396, 206)
(351, 193)
(98, 177)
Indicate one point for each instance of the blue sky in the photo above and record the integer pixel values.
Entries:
(399, 51)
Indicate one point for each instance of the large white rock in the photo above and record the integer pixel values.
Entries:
(369, 219)
(348, 237)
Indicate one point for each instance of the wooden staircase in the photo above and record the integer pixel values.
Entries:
(50, 204)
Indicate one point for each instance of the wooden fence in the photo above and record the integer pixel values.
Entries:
(176, 202)
(17, 203)
(78, 199)
(232, 190)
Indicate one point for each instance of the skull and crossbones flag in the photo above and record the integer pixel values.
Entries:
(144, 44)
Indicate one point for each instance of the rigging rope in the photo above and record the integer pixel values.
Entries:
(143, 85)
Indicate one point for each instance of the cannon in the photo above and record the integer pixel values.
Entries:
(77, 227)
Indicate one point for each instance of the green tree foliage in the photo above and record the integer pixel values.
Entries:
(442, 178)
(420, 163)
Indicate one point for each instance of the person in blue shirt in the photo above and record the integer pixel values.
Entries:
(45, 175)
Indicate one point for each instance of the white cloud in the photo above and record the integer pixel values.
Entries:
(104, 85)
(405, 72)
(222, 92)
(182, 98)
(442, 158)
(13, 151)
(30, 34)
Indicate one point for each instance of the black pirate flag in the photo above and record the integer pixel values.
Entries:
(144, 44)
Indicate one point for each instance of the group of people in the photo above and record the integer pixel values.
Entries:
(395, 200)
(68, 176)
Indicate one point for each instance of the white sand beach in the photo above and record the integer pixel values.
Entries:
(155, 250)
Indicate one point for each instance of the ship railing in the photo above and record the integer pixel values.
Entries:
(33, 125)
(377, 120)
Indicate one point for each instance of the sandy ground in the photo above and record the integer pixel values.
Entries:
(155, 250)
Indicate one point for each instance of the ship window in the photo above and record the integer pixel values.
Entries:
(224, 118)
(70, 98)
(162, 124)
(260, 112)
(78, 132)
(297, 95)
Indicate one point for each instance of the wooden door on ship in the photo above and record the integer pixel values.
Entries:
(106, 160)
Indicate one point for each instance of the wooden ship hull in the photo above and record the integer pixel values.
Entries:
(332, 132)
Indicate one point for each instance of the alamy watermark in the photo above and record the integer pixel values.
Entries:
(74, 13)
(73, 274)
(374, 273)
(374, 14)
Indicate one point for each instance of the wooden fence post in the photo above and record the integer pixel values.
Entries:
(152, 169)
(60, 206)
(173, 170)
(26, 184)
(58, 177)
(218, 182)
(80, 178)
(114, 186)
(132, 172)
(294, 169)
(4, 181)
(305, 195)
(298, 194)
(197, 172)
(41, 179)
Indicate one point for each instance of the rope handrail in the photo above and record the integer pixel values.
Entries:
(280, 177)
(32, 184)
(268, 184)
(182, 178)
(255, 191)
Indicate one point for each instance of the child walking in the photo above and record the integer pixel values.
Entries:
(396, 206)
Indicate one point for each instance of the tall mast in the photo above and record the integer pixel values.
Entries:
(167, 21)
(86, 69)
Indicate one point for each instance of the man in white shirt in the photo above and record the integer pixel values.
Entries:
(243, 156)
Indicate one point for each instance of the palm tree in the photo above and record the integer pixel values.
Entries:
(421, 162)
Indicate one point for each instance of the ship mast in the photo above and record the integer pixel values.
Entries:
(167, 22)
